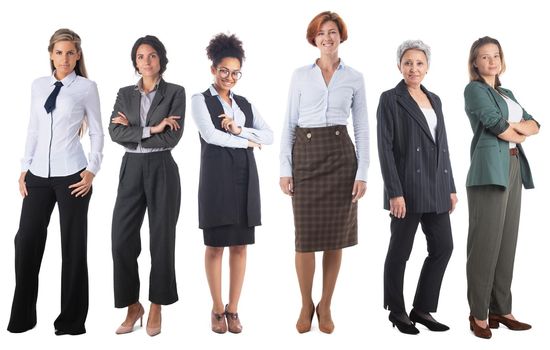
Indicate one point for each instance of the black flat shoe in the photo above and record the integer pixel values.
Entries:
(407, 328)
(62, 332)
(432, 324)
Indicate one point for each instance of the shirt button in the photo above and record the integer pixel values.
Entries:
(417, 170)
(337, 132)
(418, 149)
(308, 135)
(445, 171)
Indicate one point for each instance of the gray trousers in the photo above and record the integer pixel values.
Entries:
(147, 181)
(494, 214)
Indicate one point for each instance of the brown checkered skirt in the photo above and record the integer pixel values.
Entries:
(324, 165)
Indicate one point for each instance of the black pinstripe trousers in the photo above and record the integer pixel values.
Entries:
(148, 181)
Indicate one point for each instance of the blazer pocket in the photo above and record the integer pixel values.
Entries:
(122, 168)
(487, 143)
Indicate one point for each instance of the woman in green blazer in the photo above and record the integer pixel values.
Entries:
(498, 169)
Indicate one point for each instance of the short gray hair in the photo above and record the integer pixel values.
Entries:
(413, 45)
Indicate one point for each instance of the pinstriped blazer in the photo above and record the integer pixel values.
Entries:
(413, 164)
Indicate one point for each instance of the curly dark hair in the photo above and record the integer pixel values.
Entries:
(222, 46)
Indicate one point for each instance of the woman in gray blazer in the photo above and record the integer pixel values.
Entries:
(147, 120)
(498, 169)
(418, 187)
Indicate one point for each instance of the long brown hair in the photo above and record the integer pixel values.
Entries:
(474, 52)
(65, 34)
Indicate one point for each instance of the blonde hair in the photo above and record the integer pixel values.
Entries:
(65, 34)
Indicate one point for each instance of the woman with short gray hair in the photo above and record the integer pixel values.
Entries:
(418, 187)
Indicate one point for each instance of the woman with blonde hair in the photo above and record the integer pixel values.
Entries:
(54, 170)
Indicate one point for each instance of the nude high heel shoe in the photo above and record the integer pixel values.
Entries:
(122, 329)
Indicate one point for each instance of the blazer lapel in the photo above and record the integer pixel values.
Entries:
(159, 96)
(439, 114)
(134, 113)
(405, 100)
(500, 103)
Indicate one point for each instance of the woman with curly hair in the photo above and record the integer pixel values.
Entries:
(229, 194)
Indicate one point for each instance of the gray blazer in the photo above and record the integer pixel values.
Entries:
(414, 165)
(169, 100)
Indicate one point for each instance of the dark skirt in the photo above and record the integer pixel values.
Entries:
(239, 233)
(324, 166)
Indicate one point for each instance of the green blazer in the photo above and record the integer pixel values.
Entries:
(489, 155)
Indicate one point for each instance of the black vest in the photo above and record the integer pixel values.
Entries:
(217, 205)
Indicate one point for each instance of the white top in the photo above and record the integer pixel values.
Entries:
(311, 103)
(515, 113)
(260, 132)
(431, 119)
(53, 146)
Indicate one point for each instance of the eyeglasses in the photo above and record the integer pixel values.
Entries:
(224, 73)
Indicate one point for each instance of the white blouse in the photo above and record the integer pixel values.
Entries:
(53, 145)
(311, 103)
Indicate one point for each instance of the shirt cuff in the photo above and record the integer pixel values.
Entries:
(146, 133)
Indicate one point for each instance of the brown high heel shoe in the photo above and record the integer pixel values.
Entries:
(479, 332)
(304, 327)
(513, 325)
(325, 326)
(233, 322)
(122, 329)
(218, 322)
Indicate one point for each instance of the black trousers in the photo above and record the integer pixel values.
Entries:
(30, 242)
(147, 181)
(437, 228)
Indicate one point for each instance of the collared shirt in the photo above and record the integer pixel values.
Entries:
(144, 106)
(53, 145)
(311, 103)
(260, 132)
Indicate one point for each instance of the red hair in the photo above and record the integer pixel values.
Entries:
(322, 18)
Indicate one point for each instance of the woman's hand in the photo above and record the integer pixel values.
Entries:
(359, 189)
(120, 119)
(82, 187)
(254, 144)
(398, 207)
(228, 124)
(454, 200)
(23, 185)
(287, 185)
(171, 122)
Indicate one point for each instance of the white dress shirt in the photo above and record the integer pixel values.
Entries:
(260, 132)
(53, 145)
(311, 103)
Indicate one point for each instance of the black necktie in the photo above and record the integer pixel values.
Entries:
(50, 102)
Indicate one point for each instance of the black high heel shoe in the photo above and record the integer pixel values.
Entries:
(431, 324)
(404, 327)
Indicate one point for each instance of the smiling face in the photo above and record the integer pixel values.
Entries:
(147, 62)
(64, 57)
(488, 62)
(328, 38)
(413, 66)
(226, 74)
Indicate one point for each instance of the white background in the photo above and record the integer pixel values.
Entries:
(274, 40)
